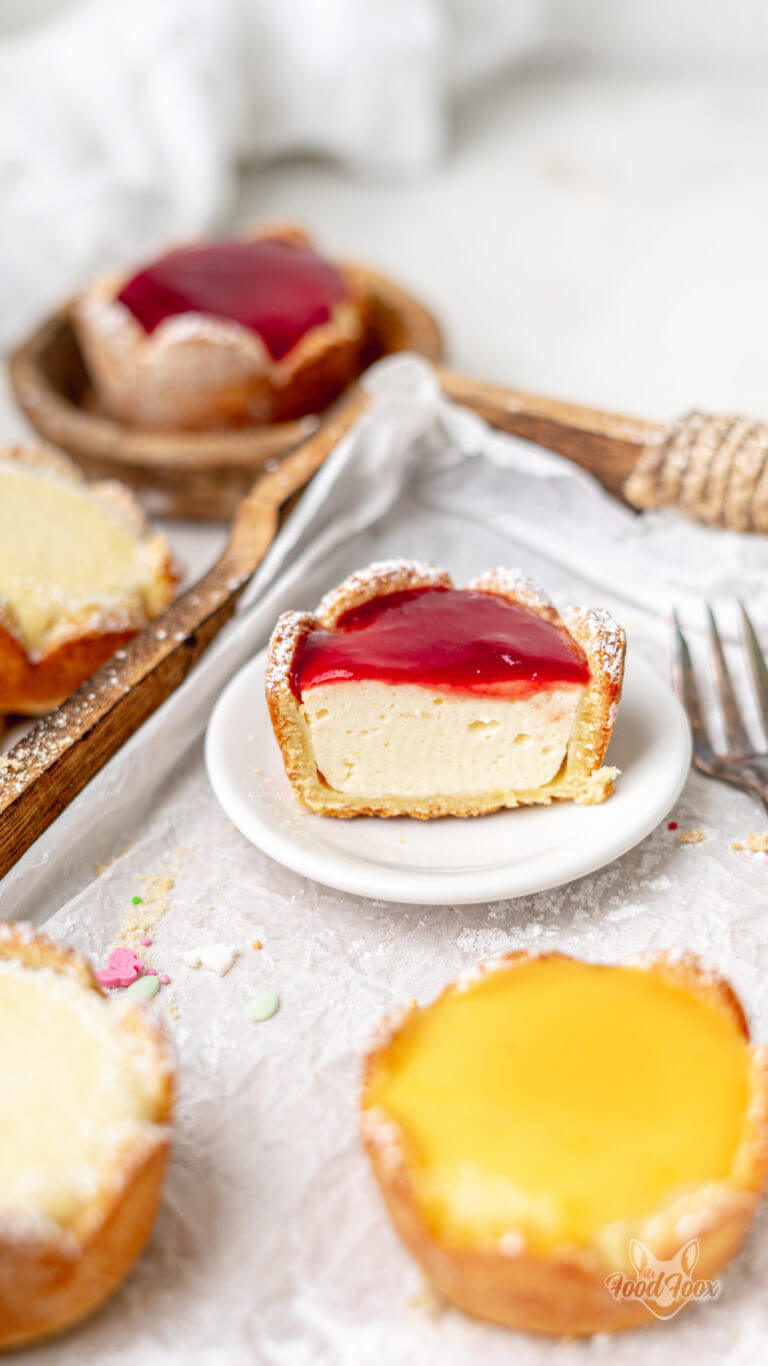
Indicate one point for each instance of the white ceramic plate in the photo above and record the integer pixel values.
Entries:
(449, 861)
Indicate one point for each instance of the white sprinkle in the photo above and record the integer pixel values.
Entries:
(218, 957)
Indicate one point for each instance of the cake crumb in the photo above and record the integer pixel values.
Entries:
(597, 911)
(173, 1010)
(428, 1301)
(256, 944)
(143, 914)
(102, 867)
(757, 841)
(691, 836)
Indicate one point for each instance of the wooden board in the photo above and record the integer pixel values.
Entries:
(607, 444)
(49, 767)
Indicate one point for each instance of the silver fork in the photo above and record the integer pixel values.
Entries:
(741, 764)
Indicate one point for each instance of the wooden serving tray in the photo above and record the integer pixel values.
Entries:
(201, 475)
(54, 762)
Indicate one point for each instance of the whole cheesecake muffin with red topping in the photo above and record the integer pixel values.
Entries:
(223, 333)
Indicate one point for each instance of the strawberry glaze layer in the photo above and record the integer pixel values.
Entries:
(274, 288)
(447, 638)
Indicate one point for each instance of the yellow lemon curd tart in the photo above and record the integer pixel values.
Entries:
(544, 1112)
(80, 573)
(87, 1087)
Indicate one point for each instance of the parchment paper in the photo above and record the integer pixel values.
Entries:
(272, 1245)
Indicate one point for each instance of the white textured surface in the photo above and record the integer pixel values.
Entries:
(272, 1246)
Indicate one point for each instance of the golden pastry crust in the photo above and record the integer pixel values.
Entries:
(200, 373)
(564, 1293)
(35, 679)
(581, 778)
(50, 1276)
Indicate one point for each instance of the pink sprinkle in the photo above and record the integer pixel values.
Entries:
(151, 972)
(672, 825)
(165, 979)
(123, 967)
(146, 941)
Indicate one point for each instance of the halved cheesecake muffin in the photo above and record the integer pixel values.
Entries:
(87, 1087)
(80, 574)
(222, 333)
(548, 1125)
(403, 695)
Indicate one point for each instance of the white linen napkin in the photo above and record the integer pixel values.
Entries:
(121, 125)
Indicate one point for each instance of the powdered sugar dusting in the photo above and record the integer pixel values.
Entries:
(382, 1132)
(601, 637)
(282, 647)
(116, 1126)
(514, 584)
(69, 615)
(376, 580)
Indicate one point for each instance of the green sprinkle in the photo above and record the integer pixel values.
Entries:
(136, 900)
(263, 1006)
(144, 987)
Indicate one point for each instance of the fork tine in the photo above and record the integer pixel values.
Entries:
(757, 665)
(684, 683)
(736, 738)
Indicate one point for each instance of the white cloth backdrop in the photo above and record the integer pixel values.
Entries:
(121, 124)
(272, 1246)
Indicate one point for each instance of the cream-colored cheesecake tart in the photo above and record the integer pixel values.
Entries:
(544, 1113)
(404, 695)
(87, 1091)
(80, 573)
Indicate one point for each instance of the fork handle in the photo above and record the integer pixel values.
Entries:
(757, 781)
(748, 776)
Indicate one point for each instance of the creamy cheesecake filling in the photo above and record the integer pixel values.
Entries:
(555, 1099)
(438, 691)
(62, 551)
(382, 740)
(77, 1090)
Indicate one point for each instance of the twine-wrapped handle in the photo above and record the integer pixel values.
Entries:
(713, 468)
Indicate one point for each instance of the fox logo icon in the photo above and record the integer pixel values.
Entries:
(664, 1286)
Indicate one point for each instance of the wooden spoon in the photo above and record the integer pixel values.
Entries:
(712, 468)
